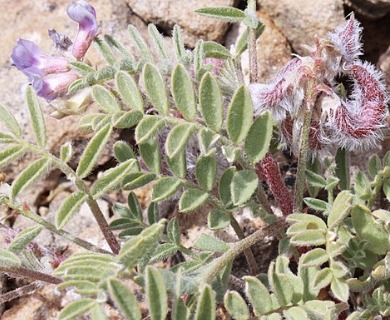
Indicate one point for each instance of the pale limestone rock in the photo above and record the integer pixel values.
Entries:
(301, 21)
(167, 13)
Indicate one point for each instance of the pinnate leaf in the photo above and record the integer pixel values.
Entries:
(205, 309)
(69, 207)
(92, 151)
(218, 219)
(240, 115)
(258, 295)
(313, 258)
(374, 165)
(366, 228)
(243, 185)
(37, 120)
(164, 188)
(156, 293)
(206, 170)
(24, 238)
(8, 258)
(225, 185)
(10, 154)
(77, 309)
(113, 178)
(140, 43)
(148, 128)
(66, 152)
(210, 102)
(192, 199)
(340, 289)
(178, 138)
(29, 176)
(128, 90)
(158, 41)
(259, 137)
(124, 299)
(209, 243)
(340, 209)
(9, 121)
(223, 13)
(155, 88)
(215, 50)
(137, 180)
(126, 119)
(183, 92)
(150, 152)
(236, 305)
(105, 99)
(123, 152)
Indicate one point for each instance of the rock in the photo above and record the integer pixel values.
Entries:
(384, 64)
(373, 9)
(46, 303)
(43, 304)
(302, 20)
(165, 14)
(273, 49)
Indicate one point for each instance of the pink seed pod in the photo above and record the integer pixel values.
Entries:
(268, 170)
(346, 39)
(279, 95)
(356, 123)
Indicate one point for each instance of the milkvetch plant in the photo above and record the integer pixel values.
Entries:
(208, 139)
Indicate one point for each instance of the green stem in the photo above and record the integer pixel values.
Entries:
(302, 159)
(343, 168)
(71, 175)
(240, 246)
(250, 258)
(62, 233)
(252, 47)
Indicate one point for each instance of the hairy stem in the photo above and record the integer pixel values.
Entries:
(241, 246)
(29, 214)
(32, 274)
(71, 175)
(252, 47)
(302, 159)
(20, 292)
(250, 258)
(342, 168)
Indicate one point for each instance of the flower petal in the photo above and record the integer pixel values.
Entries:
(83, 13)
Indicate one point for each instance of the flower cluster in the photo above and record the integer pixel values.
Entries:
(51, 76)
(352, 121)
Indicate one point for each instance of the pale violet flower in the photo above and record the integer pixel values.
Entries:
(84, 14)
(27, 55)
(51, 86)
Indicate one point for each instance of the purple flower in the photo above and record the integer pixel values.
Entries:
(27, 55)
(84, 14)
(50, 86)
